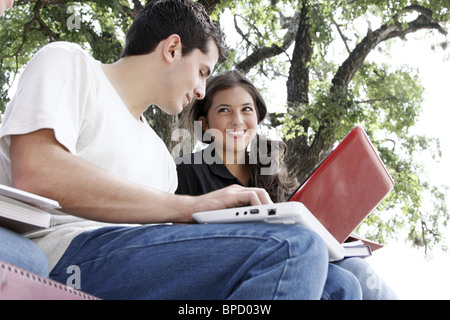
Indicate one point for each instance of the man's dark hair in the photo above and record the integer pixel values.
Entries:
(161, 18)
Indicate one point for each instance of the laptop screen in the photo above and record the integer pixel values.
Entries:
(347, 186)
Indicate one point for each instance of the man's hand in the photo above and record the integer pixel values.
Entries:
(232, 196)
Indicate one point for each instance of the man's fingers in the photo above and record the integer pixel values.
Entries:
(252, 196)
(231, 197)
(259, 196)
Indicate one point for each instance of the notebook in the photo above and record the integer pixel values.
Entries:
(24, 212)
(346, 186)
(339, 194)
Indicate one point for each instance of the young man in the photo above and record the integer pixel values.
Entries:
(75, 133)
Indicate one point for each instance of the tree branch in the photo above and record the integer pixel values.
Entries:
(387, 31)
(210, 5)
(240, 32)
(344, 39)
(27, 26)
(267, 52)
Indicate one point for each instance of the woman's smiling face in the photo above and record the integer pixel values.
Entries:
(232, 119)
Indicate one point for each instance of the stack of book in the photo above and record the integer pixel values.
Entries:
(24, 212)
(356, 246)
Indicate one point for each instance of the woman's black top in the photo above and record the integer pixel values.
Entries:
(202, 172)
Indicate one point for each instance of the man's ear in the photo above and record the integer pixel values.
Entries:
(172, 48)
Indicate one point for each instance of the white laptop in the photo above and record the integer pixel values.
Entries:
(286, 213)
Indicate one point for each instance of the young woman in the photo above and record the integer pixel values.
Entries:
(229, 116)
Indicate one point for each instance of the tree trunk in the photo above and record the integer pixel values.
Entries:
(302, 156)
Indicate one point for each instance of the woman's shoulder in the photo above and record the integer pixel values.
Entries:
(189, 158)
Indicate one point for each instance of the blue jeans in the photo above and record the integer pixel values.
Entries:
(373, 287)
(245, 261)
(22, 252)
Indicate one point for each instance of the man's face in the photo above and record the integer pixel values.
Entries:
(5, 5)
(186, 80)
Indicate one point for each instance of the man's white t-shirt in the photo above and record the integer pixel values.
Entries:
(64, 89)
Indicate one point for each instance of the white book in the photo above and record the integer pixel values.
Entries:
(27, 197)
(24, 212)
(356, 249)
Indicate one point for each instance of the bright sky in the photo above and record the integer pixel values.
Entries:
(410, 275)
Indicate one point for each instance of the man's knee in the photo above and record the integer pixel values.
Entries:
(303, 241)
